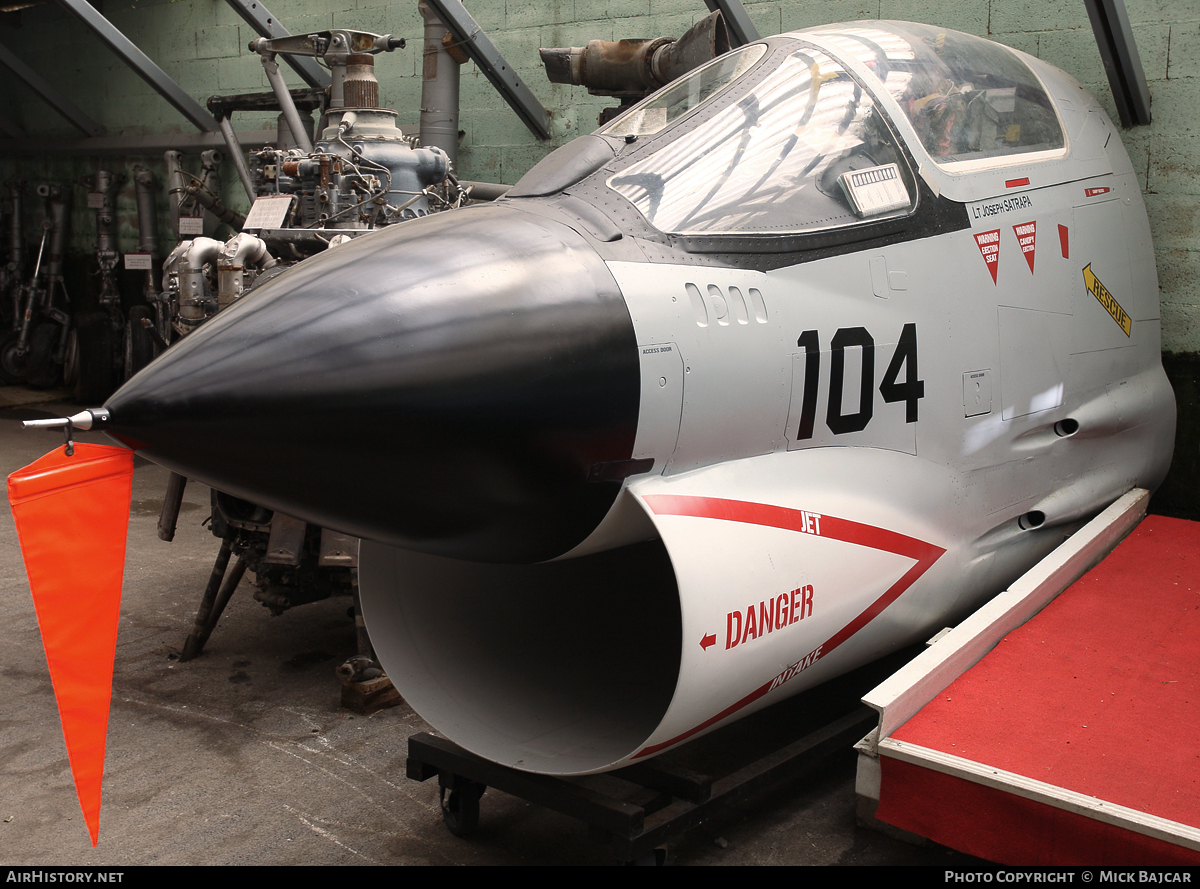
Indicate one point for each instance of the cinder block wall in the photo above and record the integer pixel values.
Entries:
(202, 44)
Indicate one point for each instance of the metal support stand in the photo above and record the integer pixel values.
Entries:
(660, 804)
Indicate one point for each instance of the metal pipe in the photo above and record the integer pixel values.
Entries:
(303, 138)
(201, 251)
(172, 502)
(175, 185)
(210, 170)
(154, 143)
(485, 191)
(143, 181)
(16, 237)
(56, 210)
(283, 133)
(235, 152)
(471, 40)
(210, 179)
(630, 66)
(57, 300)
(245, 249)
(106, 184)
(439, 88)
(213, 602)
(37, 263)
(188, 261)
(215, 206)
(28, 295)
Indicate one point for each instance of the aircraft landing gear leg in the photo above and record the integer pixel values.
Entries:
(216, 596)
(460, 808)
(168, 519)
(13, 362)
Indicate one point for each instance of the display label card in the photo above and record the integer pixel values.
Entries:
(269, 211)
(191, 225)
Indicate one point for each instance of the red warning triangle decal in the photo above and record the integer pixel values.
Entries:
(989, 249)
(71, 515)
(1026, 233)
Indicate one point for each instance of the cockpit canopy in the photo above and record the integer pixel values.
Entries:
(790, 135)
(969, 99)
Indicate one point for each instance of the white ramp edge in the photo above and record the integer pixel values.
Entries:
(902, 695)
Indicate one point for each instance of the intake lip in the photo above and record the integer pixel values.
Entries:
(561, 668)
(445, 385)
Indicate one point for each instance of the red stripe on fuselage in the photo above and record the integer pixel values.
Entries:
(794, 520)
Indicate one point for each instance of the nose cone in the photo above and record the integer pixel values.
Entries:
(445, 385)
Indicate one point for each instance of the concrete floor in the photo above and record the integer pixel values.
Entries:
(244, 756)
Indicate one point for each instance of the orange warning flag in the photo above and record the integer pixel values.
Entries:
(71, 515)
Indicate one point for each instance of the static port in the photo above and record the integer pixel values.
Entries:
(1035, 518)
(1066, 428)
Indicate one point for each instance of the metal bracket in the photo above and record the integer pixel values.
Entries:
(261, 20)
(1122, 63)
(53, 97)
(141, 64)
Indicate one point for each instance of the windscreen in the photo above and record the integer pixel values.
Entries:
(806, 149)
(686, 94)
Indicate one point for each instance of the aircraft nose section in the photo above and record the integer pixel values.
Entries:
(446, 385)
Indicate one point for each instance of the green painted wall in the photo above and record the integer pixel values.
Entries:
(202, 45)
